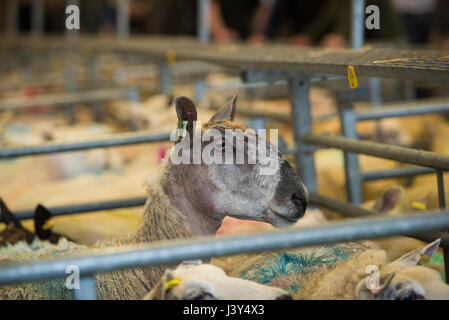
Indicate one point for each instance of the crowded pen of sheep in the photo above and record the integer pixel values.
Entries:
(144, 143)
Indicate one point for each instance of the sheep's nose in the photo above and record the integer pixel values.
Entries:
(300, 202)
(284, 297)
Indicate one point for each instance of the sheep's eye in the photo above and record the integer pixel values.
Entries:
(409, 296)
(198, 297)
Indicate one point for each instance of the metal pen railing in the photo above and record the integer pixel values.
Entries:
(206, 247)
(298, 67)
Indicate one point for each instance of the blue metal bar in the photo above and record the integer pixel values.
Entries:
(382, 150)
(87, 290)
(204, 20)
(70, 84)
(165, 79)
(12, 17)
(396, 173)
(405, 110)
(351, 211)
(175, 251)
(358, 24)
(75, 32)
(37, 18)
(302, 124)
(85, 207)
(110, 141)
(257, 123)
(123, 22)
(352, 167)
(442, 205)
(441, 193)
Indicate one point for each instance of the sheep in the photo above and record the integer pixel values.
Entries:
(338, 271)
(15, 231)
(299, 270)
(187, 200)
(193, 280)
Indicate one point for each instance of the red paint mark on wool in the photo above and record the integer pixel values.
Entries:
(212, 205)
(161, 153)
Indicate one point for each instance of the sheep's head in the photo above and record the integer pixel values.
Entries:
(406, 279)
(208, 282)
(235, 171)
(14, 231)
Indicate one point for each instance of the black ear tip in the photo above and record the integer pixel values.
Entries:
(3, 207)
(42, 210)
(183, 101)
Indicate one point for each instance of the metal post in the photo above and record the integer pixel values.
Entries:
(70, 84)
(352, 168)
(257, 123)
(375, 86)
(74, 32)
(134, 96)
(93, 72)
(165, 79)
(203, 25)
(441, 195)
(12, 17)
(87, 290)
(203, 20)
(200, 90)
(123, 22)
(302, 124)
(37, 23)
(358, 24)
(442, 205)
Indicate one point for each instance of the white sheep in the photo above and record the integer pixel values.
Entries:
(195, 281)
(340, 271)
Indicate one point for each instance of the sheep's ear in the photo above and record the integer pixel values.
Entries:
(418, 256)
(7, 216)
(362, 291)
(187, 116)
(41, 219)
(227, 112)
(389, 199)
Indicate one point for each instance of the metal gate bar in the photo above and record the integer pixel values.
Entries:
(211, 246)
(65, 98)
(419, 65)
(382, 150)
(425, 106)
(351, 211)
(395, 173)
(85, 207)
(112, 140)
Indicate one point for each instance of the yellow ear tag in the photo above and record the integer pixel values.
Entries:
(418, 205)
(352, 78)
(171, 57)
(172, 283)
(48, 225)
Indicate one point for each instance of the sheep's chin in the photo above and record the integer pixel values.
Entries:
(279, 221)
